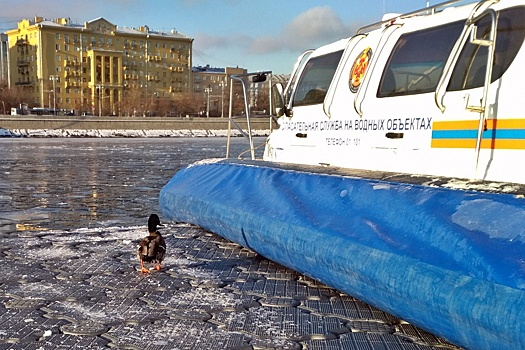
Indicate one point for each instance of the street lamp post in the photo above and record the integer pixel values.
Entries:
(222, 85)
(54, 79)
(49, 97)
(99, 88)
(208, 90)
(152, 103)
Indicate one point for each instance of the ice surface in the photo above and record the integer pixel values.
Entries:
(83, 285)
(72, 211)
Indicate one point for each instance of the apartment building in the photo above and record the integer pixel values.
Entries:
(94, 67)
(213, 85)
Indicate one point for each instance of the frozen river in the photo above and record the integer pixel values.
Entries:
(64, 183)
(71, 214)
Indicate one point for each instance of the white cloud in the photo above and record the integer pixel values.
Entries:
(310, 29)
(317, 25)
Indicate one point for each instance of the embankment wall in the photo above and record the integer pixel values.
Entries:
(94, 126)
(126, 123)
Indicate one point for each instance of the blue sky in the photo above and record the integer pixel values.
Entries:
(254, 34)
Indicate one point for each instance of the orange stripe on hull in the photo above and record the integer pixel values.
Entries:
(485, 144)
(473, 124)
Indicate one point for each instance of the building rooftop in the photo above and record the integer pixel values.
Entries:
(101, 24)
(207, 69)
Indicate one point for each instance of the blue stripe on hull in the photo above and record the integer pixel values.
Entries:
(511, 134)
(445, 260)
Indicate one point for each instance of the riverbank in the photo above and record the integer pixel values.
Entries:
(94, 126)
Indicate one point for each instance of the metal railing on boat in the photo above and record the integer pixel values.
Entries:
(244, 79)
(429, 10)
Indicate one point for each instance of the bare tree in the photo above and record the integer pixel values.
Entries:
(13, 97)
(262, 99)
(132, 103)
(188, 104)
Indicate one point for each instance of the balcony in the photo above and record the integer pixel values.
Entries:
(24, 83)
(22, 42)
(71, 63)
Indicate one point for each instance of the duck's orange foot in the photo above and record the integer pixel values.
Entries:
(144, 270)
(158, 267)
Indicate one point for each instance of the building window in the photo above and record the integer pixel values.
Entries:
(58, 58)
(57, 47)
(66, 47)
(57, 36)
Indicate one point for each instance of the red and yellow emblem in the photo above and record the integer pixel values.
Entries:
(359, 68)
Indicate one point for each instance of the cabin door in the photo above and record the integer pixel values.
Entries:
(299, 128)
(480, 95)
(396, 103)
(465, 94)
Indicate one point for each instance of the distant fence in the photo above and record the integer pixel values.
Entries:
(128, 123)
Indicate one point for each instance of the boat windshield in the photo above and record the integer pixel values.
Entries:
(469, 72)
(417, 61)
(316, 78)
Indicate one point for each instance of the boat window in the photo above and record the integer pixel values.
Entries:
(417, 60)
(469, 71)
(316, 78)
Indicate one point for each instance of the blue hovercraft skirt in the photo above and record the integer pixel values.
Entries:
(449, 261)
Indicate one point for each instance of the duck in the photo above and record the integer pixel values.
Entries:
(152, 248)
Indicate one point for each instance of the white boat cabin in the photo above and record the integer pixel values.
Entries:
(413, 94)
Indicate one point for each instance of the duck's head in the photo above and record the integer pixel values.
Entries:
(153, 222)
